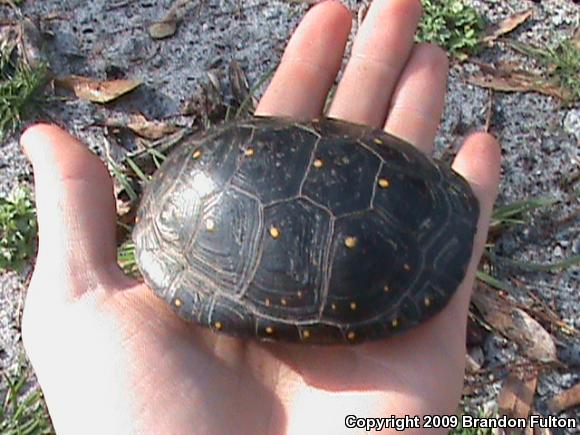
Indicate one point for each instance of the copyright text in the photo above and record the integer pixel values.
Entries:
(454, 421)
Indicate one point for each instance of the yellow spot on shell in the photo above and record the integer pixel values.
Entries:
(306, 333)
(333, 306)
(269, 330)
(267, 302)
(300, 294)
(350, 242)
(395, 322)
(210, 224)
(378, 141)
(427, 301)
(283, 302)
(406, 267)
(384, 183)
(317, 163)
(177, 302)
(353, 305)
(249, 152)
(351, 335)
(196, 154)
(386, 289)
(274, 232)
(218, 325)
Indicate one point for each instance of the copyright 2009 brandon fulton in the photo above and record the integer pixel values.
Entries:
(504, 422)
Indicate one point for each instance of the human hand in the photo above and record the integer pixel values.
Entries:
(112, 358)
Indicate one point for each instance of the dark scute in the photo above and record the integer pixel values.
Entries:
(161, 184)
(410, 202)
(409, 312)
(360, 274)
(224, 256)
(192, 303)
(267, 329)
(321, 334)
(233, 318)
(464, 204)
(401, 155)
(178, 214)
(291, 266)
(166, 175)
(332, 129)
(445, 253)
(344, 182)
(217, 162)
(277, 165)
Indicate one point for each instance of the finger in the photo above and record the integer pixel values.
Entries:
(478, 162)
(379, 53)
(309, 65)
(419, 97)
(75, 204)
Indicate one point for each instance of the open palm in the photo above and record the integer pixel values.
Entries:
(113, 359)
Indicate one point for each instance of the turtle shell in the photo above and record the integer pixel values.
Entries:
(322, 232)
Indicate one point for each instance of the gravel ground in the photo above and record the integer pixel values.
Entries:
(539, 137)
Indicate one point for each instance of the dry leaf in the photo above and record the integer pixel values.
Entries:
(240, 87)
(507, 25)
(150, 129)
(97, 91)
(515, 324)
(576, 38)
(506, 80)
(517, 394)
(471, 365)
(167, 26)
(566, 399)
(164, 28)
(8, 39)
(474, 359)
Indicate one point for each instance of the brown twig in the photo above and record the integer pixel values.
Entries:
(566, 399)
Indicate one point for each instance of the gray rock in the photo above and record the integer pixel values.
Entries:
(572, 123)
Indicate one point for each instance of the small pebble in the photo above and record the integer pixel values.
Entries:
(572, 123)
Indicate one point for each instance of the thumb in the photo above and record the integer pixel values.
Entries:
(75, 209)
(478, 161)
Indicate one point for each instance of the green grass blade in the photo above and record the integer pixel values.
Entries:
(23, 412)
(157, 156)
(247, 101)
(537, 267)
(123, 179)
(506, 213)
(19, 86)
(137, 169)
(563, 63)
(126, 258)
(491, 281)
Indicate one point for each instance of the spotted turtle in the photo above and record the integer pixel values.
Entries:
(322, 232)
